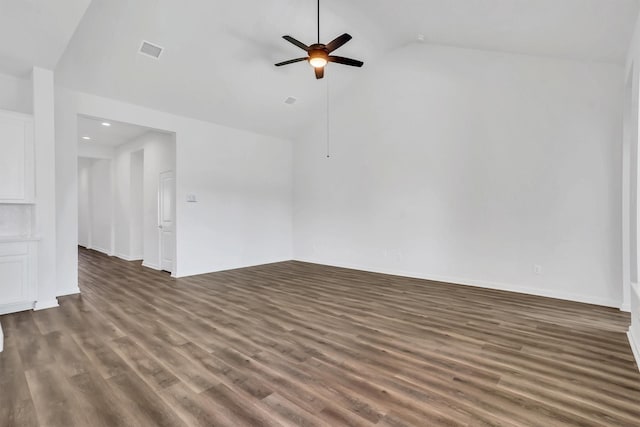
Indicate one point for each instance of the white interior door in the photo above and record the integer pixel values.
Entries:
(166, 203)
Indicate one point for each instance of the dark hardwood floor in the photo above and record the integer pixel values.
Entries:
(303, 345)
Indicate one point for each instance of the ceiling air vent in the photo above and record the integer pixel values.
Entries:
(150, 49)
(290, 100)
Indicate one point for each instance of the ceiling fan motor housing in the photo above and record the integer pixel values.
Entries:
(318, 55)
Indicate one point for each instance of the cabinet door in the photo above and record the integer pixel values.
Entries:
(17, 276)
(16, 159)
(14, 279)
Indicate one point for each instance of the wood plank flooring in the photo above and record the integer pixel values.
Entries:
(298, 344)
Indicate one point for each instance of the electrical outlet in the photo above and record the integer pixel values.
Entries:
(537, 269)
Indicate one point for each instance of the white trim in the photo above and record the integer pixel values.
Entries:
(128, 258)
(634, 348)
(237, 266)
(43, 305)
(101, 250)
(72, 291)
(1, 339)
(480, 284)
(626, 308)
(151, 266)
(16, 307)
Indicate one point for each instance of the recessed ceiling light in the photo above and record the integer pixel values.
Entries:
(86, 138)
(107, 124)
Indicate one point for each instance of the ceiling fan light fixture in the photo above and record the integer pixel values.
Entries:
(318, 56)
(318, 62)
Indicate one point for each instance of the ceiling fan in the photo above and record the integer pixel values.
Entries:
(318, 54)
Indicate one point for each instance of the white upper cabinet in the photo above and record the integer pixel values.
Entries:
(17, 175)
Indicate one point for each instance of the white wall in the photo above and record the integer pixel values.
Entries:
(136, 226)
(84, 202)
(122, 200)
(138, 166)
(96, 151)
(101, 206)
(16, 94)
(242, 181)
(470, 167)
(45, 175)
(630, 179)
(95, 204)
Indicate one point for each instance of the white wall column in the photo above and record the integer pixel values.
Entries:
(44, 136)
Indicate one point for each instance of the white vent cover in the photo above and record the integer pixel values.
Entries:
(290, 100)
(150, 49)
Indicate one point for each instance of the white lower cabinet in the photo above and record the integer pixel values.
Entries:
(17, 275)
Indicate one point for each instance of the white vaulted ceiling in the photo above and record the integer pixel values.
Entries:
(218, 59)
(36, 32)
(592, 30)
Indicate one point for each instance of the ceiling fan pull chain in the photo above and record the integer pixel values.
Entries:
(328, 123)
(318, 21)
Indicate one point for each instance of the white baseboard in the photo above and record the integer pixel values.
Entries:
(128, 258)
(16, 307)
(43, 305)
(101, 250)
(71, 291)
(626, 308)
(233, 267)
(634, 348)
(151, 266)
(478, 284)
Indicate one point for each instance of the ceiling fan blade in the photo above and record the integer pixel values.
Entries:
(346, 61)
(291, 61)
(338, 42)
(296, 42)
(319, 72)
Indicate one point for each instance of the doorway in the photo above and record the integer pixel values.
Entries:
(132, 201)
